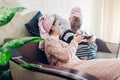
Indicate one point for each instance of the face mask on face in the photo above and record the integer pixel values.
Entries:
(59, 28)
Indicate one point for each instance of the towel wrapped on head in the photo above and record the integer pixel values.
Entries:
(76, 12)
(45, 23)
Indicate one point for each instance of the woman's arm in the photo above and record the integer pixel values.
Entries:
(57, 49)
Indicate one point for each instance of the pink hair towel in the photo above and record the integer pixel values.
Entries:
(76, 12)
(45, 23)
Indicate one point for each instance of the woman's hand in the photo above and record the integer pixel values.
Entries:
(79, 38)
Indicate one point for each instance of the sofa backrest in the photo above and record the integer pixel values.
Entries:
(16, 27)
(113, 47)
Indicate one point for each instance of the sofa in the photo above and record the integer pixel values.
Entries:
(30, 53)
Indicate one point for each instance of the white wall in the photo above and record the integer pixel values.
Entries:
(63, 8)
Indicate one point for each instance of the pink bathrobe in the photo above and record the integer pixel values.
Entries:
(62, 54)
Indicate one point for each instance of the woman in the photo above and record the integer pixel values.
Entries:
(45, 23)
(62, 54)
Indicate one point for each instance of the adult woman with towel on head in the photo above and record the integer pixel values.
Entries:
(45, 22)
(60, 53)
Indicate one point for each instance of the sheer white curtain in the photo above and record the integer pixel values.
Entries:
(108, 25)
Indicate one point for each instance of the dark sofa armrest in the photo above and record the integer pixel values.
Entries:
(30, 51)
(62, 72)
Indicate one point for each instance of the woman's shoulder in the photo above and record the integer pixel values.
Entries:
(51, 39)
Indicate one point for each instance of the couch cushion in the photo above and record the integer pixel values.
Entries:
(102, 47)
(32, 26)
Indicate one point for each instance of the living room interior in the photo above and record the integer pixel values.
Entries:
(20, 56)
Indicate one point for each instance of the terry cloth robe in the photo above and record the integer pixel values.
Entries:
(62, 54)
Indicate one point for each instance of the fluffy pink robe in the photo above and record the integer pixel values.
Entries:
(62, 54)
